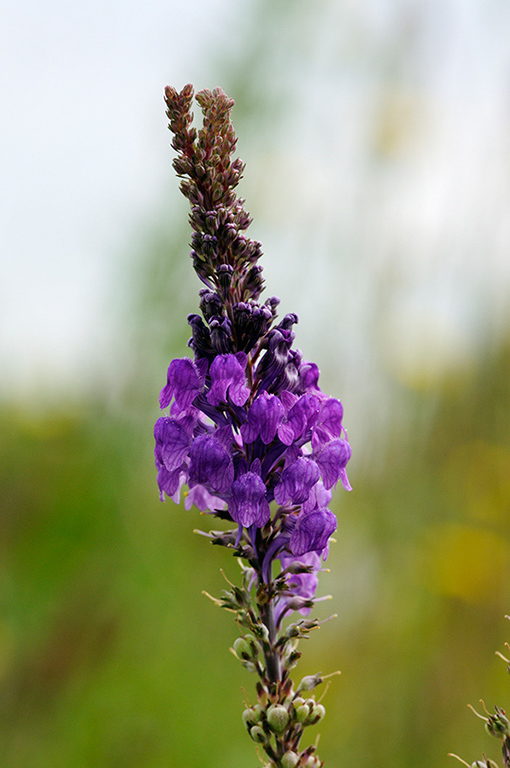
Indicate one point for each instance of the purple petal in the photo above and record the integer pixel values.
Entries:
(309, 374)
(312, 532)
(300, 418)
(184, 382)
(264, 416)
(227, 375)
(330, 417)
(168, 482)
(296, 481)
(203, 500)
(172, 443)
(332, 460)
(248, 505)
(210, 464)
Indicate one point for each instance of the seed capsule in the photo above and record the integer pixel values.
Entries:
(277, 718)
(316, 714)
(289, 760)
(257, 734)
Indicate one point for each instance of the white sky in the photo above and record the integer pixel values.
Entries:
(84, 156)
(383, 191)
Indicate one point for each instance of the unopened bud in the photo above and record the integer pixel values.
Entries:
(289, 760)
(277, 718)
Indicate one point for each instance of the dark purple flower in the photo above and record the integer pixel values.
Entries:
(210, 464)
(312, 531)
(227, 376)
(248, 505)
(172, 443)
(264, 416)
(297, 481)
(185, 379)
(332, 460)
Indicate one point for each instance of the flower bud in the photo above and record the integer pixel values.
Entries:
(289, 760)
(277, 718)
(257, 734)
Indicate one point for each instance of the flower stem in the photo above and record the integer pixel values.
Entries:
(271, 654)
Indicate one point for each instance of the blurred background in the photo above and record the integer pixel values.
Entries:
(376, 136)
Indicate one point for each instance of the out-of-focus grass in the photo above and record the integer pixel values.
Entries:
(111, 656)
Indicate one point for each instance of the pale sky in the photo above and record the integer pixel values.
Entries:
(382, 196)
(84, 159)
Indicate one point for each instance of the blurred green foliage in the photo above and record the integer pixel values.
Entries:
(111, 656)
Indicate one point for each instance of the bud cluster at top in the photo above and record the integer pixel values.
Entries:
(248, 430)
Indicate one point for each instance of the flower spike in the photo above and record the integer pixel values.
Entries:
(248, 433)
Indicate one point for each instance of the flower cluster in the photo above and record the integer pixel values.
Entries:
(247, 429)
(248, 424)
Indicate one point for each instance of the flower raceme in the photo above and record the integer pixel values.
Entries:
(248, 428)
(249, 433)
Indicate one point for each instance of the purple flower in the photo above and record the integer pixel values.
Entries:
(185, 379)
(172, 443)
(227, 376)
(332, 460)
(312, 531)
(210, 464)
(297, 481)
(248, 505)
(264, 416)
